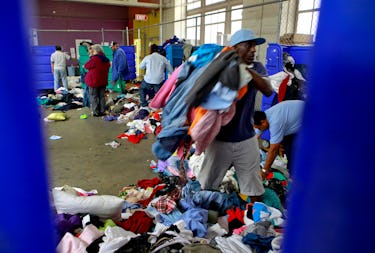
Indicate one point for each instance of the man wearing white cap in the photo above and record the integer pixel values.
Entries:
(236, 143)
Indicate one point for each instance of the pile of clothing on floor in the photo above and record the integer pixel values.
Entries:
(140, 121)
(62, 100)
(170, 214)
(121, 108)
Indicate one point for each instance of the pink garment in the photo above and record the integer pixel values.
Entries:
(161, 97)
(71, 244)
(238, 231)
(205, 131)
(90, 233)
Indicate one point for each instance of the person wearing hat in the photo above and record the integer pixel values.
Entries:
(236, 143)
(120, 68)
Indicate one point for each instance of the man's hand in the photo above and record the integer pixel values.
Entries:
(264, 173)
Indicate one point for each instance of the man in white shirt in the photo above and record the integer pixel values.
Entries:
(58, 65)
(155, 65)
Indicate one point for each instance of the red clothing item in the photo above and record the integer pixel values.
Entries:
(282, 88)
(144, 183)
(98, 67)
(138, 223)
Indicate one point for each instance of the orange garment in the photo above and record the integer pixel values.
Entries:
(199, 112)
(242, 92)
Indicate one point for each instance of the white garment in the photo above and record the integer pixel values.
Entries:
(59, 59)
(155, 65)
(245, 76)
(277, 79)
(115, 237)
(232, 244)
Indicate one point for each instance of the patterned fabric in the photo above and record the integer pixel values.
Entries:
(165, 204)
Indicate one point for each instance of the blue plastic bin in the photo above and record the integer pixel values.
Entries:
(274, 56)
(174, 54)
(301, 54)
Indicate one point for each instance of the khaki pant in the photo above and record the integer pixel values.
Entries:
(244, 156)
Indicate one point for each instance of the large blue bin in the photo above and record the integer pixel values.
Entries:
(274, 56)
(174, 54)
(301, 54)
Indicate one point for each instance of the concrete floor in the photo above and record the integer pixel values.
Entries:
(81, 158)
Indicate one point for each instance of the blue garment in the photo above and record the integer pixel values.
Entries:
(196, 220)
(145, 89)
(209, 200)
(86, 99)
(285, 118)
(260, 244)
(165, 219)
(174, 128)
(220, 98)
(59, 74)
(259, 211)
(204, 54)
(120, 67)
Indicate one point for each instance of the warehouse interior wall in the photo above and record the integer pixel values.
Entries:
(83, 17)
(264, 21)
(259, 15)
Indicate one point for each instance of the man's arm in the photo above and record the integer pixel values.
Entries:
(261, 84)
(168, 65)
(271, 155)
(143, 63)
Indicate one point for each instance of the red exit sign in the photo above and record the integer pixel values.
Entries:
(141, 17)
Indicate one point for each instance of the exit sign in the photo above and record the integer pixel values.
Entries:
(141, 17)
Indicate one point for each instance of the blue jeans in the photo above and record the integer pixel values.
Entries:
(144, 90)
(60, 74)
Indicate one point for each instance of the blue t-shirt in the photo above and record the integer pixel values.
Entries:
(240, 128)
(284, 118)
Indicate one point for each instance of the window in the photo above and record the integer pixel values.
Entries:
(193, 4)
(308, 16)
(236, 16)
(209, 2)
(193, 25)
(214, 25)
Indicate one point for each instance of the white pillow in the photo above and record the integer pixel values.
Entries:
(104, 206)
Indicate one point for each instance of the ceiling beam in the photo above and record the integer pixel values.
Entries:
(133, 3)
